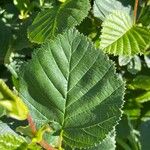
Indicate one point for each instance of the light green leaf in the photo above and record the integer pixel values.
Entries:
(143, 97)
(121, 37)
(53, 21)
(13, 105)
(72, 83)
(102, 8)
(12, 142)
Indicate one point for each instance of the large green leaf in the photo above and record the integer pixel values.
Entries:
(53, 21)
(102, 8)
(108, 144)
(71, 83)
(120, 36)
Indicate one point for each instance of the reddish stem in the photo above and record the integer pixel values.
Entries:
(135, 10)
(32, 125)
(46, 145)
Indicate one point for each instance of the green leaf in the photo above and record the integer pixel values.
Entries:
(102, 8)
(5, 35)
(14, 106)
(12, 142)
(108, 144)
(135, 65)
(121, 37)
(39, 134)
(147, 59)
(141, 82)
(124, 60)
(53, 21)
(145, 16)
(143, 97)
(72, 83)
(4, 128)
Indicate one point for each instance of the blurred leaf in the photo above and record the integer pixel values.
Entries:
(26, 131)
(141, 82)
(147, 59)
(135, 65)
(143, 98)
(6, 36)
(145, 16)
(14, 106)
(2, 111)
(124, 60)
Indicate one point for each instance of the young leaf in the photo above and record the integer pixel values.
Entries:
(14, 106)
(121, 37)
(102, 8)
(39, 135)
(53, 21)
(72, 83)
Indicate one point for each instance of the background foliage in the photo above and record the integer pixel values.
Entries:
(72, 33)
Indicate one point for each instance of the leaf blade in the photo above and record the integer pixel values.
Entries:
(76, 89)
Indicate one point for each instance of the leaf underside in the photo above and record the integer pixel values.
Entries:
(121, 37)
(56, 20)
(102, 8)
(71, 83)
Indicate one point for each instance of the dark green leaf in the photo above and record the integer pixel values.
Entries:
(70, 82)
(53, 21)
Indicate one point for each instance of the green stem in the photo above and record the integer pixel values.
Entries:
(60, 141)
